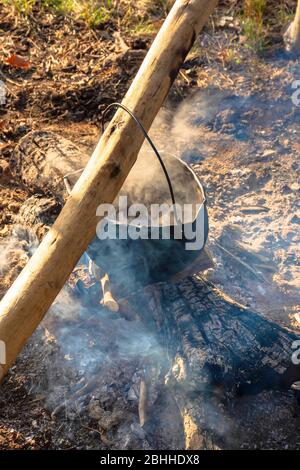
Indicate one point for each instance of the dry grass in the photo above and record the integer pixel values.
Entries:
(93, 12)
(253, 22)
(129, 14)
(255, 9)
(144, 17)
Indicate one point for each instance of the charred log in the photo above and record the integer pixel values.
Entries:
(42, 159)
(218, 351)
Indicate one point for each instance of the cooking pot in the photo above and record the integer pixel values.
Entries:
(151, 248)
(169, 245)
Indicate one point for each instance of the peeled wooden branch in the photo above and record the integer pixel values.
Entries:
(27, 301)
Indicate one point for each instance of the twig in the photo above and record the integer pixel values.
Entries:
(243, 263)
(143, 402)
(10, 81)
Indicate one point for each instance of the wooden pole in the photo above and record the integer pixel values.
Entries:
(292, 34)
(29, 298)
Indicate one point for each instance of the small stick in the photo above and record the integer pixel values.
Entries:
(67, 185)
(108, 300)
(143, 402)
(83, 391)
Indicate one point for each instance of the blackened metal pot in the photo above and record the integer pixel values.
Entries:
(148, 260)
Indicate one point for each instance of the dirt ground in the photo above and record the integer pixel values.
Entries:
(230, 115)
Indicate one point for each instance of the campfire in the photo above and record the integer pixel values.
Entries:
(135, 341)
(120, 364)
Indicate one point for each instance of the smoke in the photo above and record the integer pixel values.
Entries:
(242, 147)
(101, 357)
(15, 251)
(232, 139)
(96, 373)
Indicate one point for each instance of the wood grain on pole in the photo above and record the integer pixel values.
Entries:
(29, 298)
(292, 34)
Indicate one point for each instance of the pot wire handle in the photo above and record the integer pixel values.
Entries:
(138, 122)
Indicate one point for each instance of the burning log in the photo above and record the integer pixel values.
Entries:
(292, 34)
(218, 351)
(27, 301)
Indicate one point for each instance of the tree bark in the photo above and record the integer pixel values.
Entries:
(218, 351)
(27, 301)
(292, 34)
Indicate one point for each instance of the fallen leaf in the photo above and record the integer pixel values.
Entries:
(268, 152)
(17, 61)
(295, 186)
